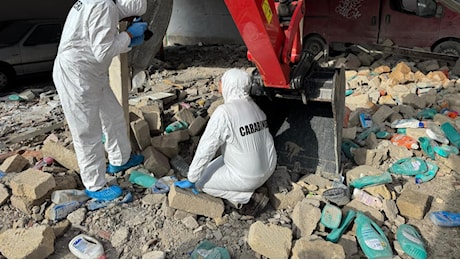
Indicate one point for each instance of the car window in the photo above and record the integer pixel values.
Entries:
(44, 34)
(11, 33)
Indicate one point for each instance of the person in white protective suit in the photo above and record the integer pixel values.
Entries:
(248, 157)
(90, 39)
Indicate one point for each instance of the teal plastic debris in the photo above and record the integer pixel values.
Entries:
(207, 250)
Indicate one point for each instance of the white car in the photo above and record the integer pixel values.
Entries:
(27, 46)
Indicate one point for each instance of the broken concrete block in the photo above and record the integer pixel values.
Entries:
(4, 194)
(373, 213)
(33, 184)
(382, 114)
(453, 162)
(15, 163)
(399, 152)
(390, 209)
(283, 194)
(65, 182)
(380, 191)
(373, 157)
(141, 132)
(190, 222)
(349, 244)
(304, 228)
(156, 162)
(152, 115)
(200, 204)
(185, 115)
(428, 65)
(413, 100)
(197, 126)
(61, 227)
(382, 69)
(413, 204)
(25, 204)
(60, 154)
(356, 101)
(166, 145)
(349, 133)
(35, 242)
(305, 248)
(364, 170)
(179, 135)
(270, 240)
(317, 180)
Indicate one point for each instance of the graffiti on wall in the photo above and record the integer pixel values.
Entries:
(349, 8)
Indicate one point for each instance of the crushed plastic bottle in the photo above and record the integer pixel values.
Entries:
(404, 140)
(435, 133)
(408, 123)
(61, 196)
(451, 133)
(180, 165)
(86, 247)
(371, 180)
(61, 211)
(411, 242)
(143, 179)
(178, 125)
(371, 238)
(207, 250)
(367, 199)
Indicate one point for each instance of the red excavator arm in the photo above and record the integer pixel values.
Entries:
(272, 33)
(272, 46)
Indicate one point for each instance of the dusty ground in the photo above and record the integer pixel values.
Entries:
(130, 230)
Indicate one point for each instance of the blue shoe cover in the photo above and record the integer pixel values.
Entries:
(109, 193)
(134, 160)
(97, 204)
(445, 218)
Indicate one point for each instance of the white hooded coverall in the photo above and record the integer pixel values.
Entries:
(240, 128)
(89, 41)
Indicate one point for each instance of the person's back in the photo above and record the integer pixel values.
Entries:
(249, 147)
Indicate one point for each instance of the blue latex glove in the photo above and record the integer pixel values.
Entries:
(136, 41)
(186, 184)
(137, 29)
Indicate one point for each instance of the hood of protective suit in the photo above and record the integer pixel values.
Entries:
(127, 8)
(236, 84)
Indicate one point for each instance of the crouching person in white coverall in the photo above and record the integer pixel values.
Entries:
(90, 39)
(239, 127)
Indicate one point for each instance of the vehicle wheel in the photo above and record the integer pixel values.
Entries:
(157, 16)
(448, 47)
(6, 77)
(314, 44)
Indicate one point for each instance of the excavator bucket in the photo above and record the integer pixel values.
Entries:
(308, 137)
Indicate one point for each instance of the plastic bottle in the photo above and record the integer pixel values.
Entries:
(207, 250)
(86, 247)
(60, 211)
(367, 199)
(335, 234)
(411, 242)
(405, 141)
(180, 165)
(408, 123)
(383, 135)
(61, 196)
(434, 132)
(427, 146)
(451, 133)
(143, 179)
(449, 113)
(427, 113)
(373, 129)
(178, 125)
(331, 216)
(409, 166)
(371, 180)
(371, 238)
(445, 150)
(428, 175)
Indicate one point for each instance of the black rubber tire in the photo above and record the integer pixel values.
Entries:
(157, 16)
(6, 77)
(448, 47)
(314, 44)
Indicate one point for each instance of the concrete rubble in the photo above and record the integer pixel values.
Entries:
(159, 225)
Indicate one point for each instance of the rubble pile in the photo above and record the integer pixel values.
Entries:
(305, 212)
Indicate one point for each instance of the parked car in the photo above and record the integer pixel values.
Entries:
(27, 46)
(407, 23)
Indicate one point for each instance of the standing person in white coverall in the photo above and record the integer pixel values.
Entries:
(90, 39)
(248, 157)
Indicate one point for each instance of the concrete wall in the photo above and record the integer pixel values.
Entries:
(24, 9)
(205, 21)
